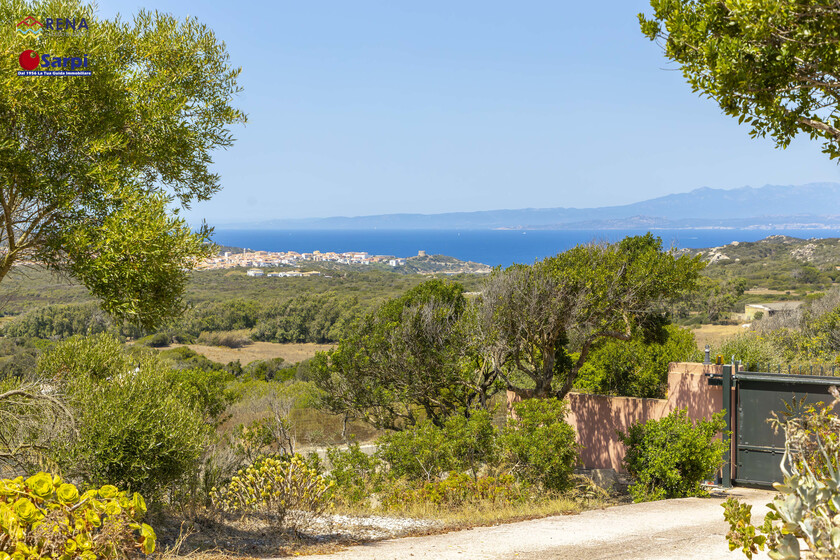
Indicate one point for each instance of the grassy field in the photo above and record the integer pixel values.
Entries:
(713, 335)
(291, 353)
(767, 292)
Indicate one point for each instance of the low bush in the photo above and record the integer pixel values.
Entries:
(306, 318)
(183, 357)
(419, 453)
(206, 392)
(537, 446)
(273, 369)
(540, 444)
(215, 316)
(637, 368)
(287, 488)
(157, 340)
(425, 452)
(44, 517)
(670, 457)
(225, 339)
(18, 359)
(356, 474)
(140, 425)
(752, 349)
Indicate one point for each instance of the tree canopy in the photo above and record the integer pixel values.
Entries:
(433, 353)
(548, 317)
(90, 166)
(771, 64)
(405, 357)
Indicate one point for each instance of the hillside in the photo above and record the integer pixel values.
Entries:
(777, 262)
(442, 264)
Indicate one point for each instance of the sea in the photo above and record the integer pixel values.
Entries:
(491, 247)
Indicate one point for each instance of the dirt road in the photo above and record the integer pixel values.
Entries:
(687, 529)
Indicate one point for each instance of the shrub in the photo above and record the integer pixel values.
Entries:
(157, 340)
(540, 444)
(18, 361)
(292, 491)
(273, 369)
(306, 318)
(205, 392)
(424, 451)
(418, 453)
(473, 441)
(356, 474)
(44, 517)
(457, 490)
(80, 358)
(183, 357)
(752, 349)
(140, 425)
(31, 418)
(637, 368)
(225, 339)
(669, 458)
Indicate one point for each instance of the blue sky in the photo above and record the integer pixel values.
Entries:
(367, 107)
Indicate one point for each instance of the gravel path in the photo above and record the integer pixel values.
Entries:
(686, 529)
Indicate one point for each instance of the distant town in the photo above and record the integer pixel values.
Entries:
(269, 259)
(258, 261)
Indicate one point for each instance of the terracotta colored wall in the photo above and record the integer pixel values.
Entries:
(597, 418)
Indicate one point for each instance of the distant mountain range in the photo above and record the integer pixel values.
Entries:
(811, 206)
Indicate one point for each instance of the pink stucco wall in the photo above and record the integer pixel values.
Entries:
(598, 418)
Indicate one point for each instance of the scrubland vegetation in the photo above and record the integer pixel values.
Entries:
(108, 430)
(422, 376)
(405, 414)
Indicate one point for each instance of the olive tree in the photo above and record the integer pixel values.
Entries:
(90, 166)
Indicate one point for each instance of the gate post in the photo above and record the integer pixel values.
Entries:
(727, 416)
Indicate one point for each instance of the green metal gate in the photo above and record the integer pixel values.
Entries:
(750, 398)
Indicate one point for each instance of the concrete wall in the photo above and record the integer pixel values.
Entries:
(598, 418)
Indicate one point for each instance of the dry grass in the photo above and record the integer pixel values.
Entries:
(231, 537)
(713, 335)
(291, 353)
(226, 537)
(494, 514)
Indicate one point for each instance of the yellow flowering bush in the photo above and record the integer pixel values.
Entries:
(44, 517)
(288, 488)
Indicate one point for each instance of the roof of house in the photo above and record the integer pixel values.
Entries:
(776, 305)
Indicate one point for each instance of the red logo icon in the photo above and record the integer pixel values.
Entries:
(29, 60)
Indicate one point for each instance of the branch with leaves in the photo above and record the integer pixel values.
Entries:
(771, 65)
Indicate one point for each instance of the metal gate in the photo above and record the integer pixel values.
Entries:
(750, 398)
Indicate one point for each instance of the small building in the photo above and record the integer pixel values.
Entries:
(769, 309)
(255, 272)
